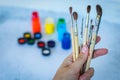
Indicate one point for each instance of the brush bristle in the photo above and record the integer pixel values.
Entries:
(99, 10)
(75, 15)
(70, 9)
(88, 8)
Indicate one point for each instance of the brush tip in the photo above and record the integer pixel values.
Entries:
(88, 8)
(75, 15)
(70, 9)
(99, 10)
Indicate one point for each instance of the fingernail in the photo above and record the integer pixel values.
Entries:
(85, 49)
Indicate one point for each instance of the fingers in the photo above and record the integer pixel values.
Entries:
(77, 65)
(87, 75)
(67, 61)
(98, 39)
(100, 52)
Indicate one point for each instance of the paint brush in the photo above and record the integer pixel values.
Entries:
(70, 10)
(86, 25)
(94, 35)
(81, 33)
(90, 33)
(72, 35)
(75, 16)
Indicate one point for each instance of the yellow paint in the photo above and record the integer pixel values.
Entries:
(27, 36)
(49, 26)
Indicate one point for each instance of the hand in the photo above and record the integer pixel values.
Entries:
(70, 70)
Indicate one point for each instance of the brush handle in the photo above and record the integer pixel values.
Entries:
(76, 40)
(91, 51)
(89, 38)
(73, 44)
(85, 36)
(76, 46)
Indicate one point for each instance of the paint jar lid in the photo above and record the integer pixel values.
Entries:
(37, 35)
(27, 35)
(51, 44)
(41, 44)
(46, 51)
(49, 20)
(60, 22)
(30, 41)
(21, 40)
(35, 14)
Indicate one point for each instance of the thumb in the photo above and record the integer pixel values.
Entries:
(78, 64)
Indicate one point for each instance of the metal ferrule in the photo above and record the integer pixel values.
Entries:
(76, 32)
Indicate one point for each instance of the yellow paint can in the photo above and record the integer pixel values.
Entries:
(49, 26)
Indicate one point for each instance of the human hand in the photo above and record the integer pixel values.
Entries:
(70, 70)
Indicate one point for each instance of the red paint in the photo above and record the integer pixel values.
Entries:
(36, 24)
(41, 44)
(21, 40)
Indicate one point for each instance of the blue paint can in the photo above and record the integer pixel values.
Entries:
(66, 41)
(61, 31)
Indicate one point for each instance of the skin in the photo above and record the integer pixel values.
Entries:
(70, 70)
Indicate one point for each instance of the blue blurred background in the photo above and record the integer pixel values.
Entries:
(27, 63)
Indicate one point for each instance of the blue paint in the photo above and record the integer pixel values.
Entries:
(66, 41)
(37, 36)
(61, 31)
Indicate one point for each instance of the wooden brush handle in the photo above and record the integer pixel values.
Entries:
(85, 36)
(91, 51)
(76, 46)
(73, 44)
(89, 57)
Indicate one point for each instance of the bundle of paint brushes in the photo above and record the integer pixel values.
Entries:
(88, 37)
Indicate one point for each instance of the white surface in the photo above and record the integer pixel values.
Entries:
(111, 7)
(26, 62)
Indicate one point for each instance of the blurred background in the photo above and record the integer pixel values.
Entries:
(27, 63)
